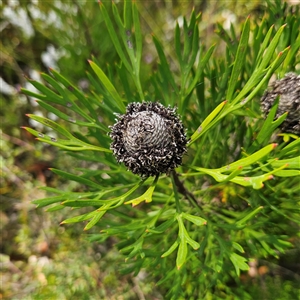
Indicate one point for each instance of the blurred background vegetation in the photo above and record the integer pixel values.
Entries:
(39, 258)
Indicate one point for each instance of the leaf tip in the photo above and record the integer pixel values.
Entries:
(274, 145)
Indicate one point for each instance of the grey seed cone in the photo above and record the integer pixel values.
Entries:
(149, 139)
(288, 90)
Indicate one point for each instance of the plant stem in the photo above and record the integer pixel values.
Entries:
(182, 190)
(176, 190)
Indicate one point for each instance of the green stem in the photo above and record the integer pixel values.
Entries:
(179, 187)
(175, 189)
(138, 85)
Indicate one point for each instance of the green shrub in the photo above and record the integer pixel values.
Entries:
(233, 199)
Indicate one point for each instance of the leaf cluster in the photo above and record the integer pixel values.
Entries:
(235, 196)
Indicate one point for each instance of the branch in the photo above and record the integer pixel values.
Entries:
(182, 190)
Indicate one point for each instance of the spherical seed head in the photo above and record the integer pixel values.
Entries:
(149, 139)
(288, 89)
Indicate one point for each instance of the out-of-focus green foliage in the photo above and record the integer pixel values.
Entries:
(233, 203)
